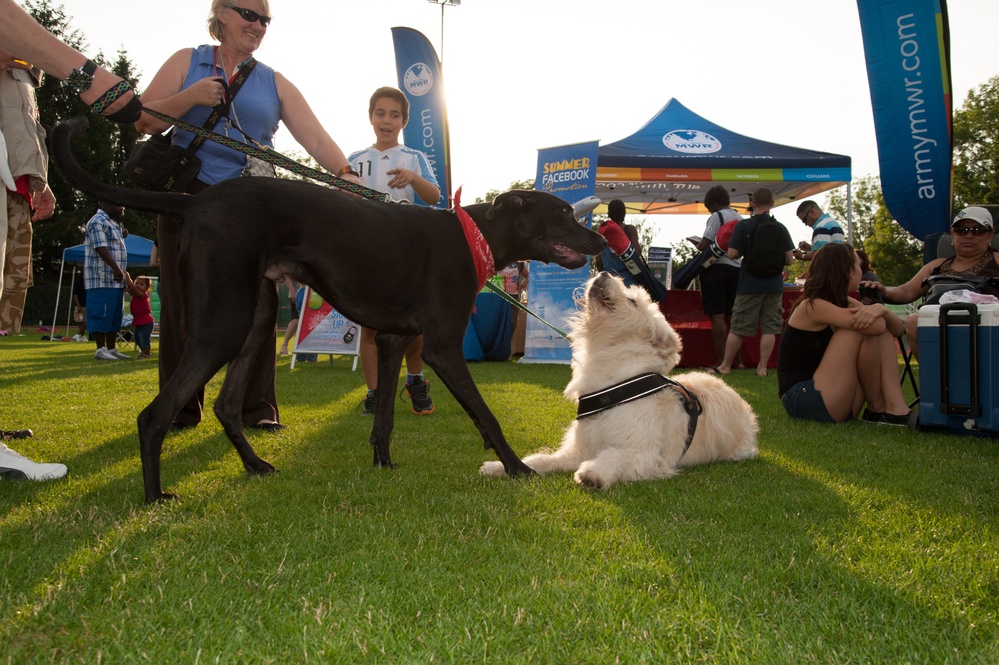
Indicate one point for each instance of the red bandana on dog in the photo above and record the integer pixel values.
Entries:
(482, 256)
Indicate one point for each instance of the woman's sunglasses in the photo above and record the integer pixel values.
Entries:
(251, 16)
(965, 230)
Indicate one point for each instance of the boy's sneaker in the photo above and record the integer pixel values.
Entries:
(77, 338)
(102, 353)
(368, 405)
(419, 395)
(14, 466)
(118, 354)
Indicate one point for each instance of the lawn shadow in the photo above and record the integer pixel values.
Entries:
(780, 539)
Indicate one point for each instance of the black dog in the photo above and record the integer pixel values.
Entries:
(358, 255)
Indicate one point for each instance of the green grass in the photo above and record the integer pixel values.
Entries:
(840, 544)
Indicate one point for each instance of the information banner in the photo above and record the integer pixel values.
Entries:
(322, 329)
(570, 173)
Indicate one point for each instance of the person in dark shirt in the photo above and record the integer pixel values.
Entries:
(837, 354)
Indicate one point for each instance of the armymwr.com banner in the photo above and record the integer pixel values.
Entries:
(570, 173)
(907, 48)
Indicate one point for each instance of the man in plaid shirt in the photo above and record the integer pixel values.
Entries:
(105, 260)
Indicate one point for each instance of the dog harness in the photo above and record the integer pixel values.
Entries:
(637, 387)
(482, 255)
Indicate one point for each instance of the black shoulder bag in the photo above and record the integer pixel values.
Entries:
(158, 165)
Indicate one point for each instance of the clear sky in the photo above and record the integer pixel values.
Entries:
(526, 75)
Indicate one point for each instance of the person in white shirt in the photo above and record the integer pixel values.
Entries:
(406, 176)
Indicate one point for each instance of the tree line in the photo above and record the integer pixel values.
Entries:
(104, 148)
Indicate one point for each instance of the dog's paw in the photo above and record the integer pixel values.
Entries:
(492, 469)
(588, 476)
(259, 467)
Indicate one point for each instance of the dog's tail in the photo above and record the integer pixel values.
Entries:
(62, 156)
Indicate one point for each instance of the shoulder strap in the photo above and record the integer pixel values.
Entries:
(222, 110)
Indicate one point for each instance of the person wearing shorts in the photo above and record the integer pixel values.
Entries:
(720, 280)
(104, 262)
(837, 354)
(758, 299)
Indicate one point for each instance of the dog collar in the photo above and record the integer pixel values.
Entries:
(637, 387)
(482, 255)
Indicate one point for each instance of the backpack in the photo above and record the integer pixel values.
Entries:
(764, 255)
(725, 231)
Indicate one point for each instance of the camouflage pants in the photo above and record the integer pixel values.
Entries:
(15, 261)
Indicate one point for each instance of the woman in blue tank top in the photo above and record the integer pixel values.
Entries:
(187, 87)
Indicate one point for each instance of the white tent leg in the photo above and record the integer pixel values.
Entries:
(55, 314)
(69, 309)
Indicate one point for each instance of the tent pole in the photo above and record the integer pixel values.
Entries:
(55, 314)
(69, 309)
(849, 212)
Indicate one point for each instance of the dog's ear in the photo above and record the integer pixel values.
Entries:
(513, 202)
(669, 345)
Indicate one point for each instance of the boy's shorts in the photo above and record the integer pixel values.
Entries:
(104, 310)
(804, 402)
(752, 309)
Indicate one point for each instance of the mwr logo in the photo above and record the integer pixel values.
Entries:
(691, 141)
(418, 79)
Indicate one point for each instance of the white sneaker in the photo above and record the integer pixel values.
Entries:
(118, 354)
(76, 338)
(17, 467)
(102, 353)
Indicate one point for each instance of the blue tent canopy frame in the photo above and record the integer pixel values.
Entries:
(139, 251)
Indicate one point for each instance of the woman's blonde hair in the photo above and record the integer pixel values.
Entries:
(215, 25)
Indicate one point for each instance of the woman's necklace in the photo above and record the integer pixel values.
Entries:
(225, 71)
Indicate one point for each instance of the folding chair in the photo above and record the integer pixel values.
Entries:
(903, 343)
(124, 339)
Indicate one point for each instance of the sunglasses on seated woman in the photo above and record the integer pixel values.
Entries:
(251, 16)
(965, 230)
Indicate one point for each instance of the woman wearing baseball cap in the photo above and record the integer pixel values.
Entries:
(971, 232)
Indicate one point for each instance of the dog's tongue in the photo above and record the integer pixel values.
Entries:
(567, 253)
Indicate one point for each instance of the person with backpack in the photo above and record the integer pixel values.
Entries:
(766, 249)
(720, 279)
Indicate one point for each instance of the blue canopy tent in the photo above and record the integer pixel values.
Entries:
(139, 252)
(667, 166)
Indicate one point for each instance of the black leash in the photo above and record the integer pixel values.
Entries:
(274, 157)
(637, 387)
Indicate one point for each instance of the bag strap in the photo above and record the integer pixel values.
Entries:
(222, 110)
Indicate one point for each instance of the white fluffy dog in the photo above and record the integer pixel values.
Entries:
(620, 333)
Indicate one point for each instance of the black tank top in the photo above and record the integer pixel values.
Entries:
(799, 355)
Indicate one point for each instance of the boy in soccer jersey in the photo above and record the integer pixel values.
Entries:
(405, 174)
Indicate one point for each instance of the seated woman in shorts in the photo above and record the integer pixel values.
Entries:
(836, 353)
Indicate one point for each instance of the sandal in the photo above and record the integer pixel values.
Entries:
(268, 426)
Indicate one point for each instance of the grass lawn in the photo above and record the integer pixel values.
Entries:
(840, 544)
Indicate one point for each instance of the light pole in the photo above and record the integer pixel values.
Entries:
(443, 3)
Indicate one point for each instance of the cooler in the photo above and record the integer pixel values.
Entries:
(958, 377)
